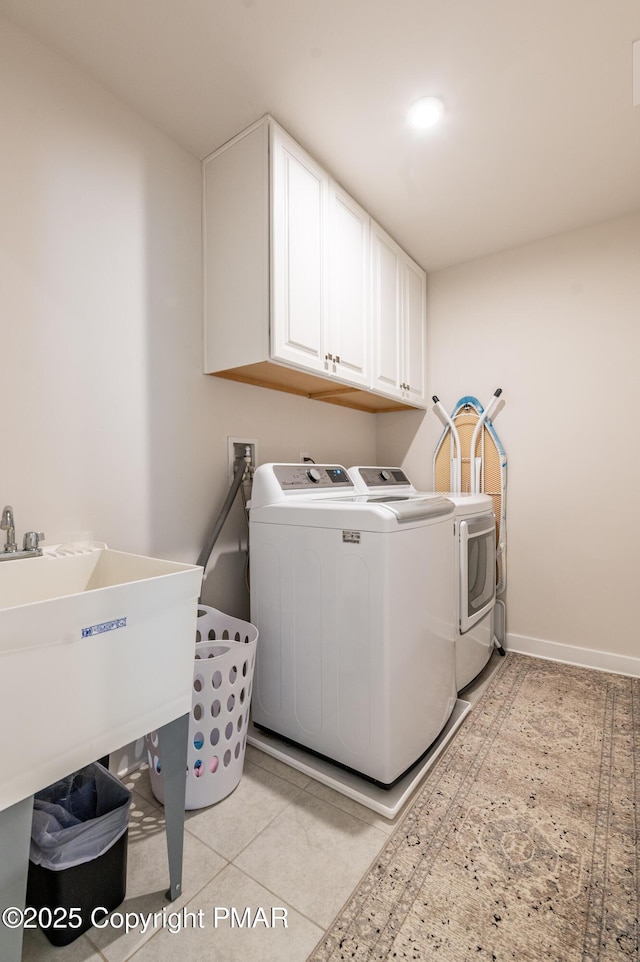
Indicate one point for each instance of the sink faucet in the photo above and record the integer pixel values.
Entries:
(8, 526)
(31, 544)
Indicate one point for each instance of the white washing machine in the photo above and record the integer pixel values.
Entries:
(355, 606)
(474, 567)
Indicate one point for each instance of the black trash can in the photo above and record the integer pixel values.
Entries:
(78, 859)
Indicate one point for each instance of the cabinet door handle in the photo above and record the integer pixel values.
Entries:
(337, 358)
(328, 357)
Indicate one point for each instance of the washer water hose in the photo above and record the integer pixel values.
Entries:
(243, 469)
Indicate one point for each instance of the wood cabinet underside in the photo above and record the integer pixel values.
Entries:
(270, 375)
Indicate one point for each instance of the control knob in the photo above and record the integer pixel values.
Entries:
(314, 475)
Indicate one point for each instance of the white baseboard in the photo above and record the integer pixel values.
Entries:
(570, 655)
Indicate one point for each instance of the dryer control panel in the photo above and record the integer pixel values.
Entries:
(383, 477)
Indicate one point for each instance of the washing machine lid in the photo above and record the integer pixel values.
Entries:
(355, 513)
(405, 508)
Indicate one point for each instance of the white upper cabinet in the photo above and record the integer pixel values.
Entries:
(319, 259)
(299, 225)
(398, 298)
(386, 310)
(236, 264)
(414, 326)
(289, 299)
(348, 340)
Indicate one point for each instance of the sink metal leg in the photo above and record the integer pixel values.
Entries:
(15, 835)
(173, 739)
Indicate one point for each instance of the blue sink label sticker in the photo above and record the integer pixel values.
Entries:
(105, 626)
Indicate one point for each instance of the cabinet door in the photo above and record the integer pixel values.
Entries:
(299, 199)
(386, 312)
(414, 332)
(348, 322)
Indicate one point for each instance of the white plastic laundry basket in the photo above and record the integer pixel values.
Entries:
(222, 682)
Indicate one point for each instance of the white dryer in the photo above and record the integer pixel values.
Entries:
(474, 567)
(355, 606)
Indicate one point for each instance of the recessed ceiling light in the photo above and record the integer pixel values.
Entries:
(425, 112)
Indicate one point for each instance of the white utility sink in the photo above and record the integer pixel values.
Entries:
(96, 649)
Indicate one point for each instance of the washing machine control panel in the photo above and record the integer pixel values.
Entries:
(300, 477)
(383, 477)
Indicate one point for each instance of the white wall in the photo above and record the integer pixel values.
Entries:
(107, 423)
(556, 324)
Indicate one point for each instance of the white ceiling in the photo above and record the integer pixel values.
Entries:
(540, 136)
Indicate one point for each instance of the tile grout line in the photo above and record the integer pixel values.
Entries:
(301, 791)
(270, 822)
(355, 814)
(320, 925)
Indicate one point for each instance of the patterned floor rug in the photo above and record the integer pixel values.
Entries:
(523, 843)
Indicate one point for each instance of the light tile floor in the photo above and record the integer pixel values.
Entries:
(280, 841)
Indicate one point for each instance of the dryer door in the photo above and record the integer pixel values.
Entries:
(477, 569)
